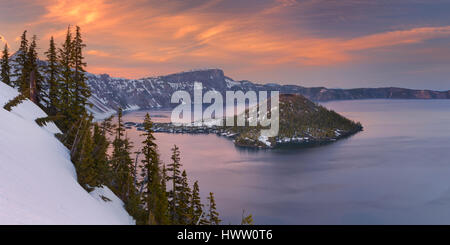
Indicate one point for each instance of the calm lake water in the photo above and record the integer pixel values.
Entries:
(397, 171)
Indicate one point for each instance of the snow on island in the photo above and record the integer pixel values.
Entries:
(38, 182)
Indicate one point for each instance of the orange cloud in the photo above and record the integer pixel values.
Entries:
(152, 33)
(392, 38)
(3, 40)
(98, 53)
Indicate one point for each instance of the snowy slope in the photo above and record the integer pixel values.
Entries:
(37, 179)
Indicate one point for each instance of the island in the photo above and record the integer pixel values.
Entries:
(302, 122)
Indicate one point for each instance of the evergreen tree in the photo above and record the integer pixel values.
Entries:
(175, 178)
(73, 91)
(121, 162)
(154, 194)
(21, 71)
(52, 73)
(213, 215)
(184, 208)
(197, 206)
(122, 169)
(80, 88)
(100, 155)
(87, 172)
(164, 179)
(5, 75)
(107, 126)
(65, 57)
(246, 220)
(22, 74)
(36, 92)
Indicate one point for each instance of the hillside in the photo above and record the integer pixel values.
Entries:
(301, 122)
(38, 183)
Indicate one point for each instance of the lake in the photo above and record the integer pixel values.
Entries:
(397, 171)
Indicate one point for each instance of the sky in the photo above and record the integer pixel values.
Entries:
(332, 43)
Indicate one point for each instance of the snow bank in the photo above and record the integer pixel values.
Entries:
(37, 179)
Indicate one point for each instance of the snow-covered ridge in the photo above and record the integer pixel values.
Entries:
(38, 183)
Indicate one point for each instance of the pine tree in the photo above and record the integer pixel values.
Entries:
(175, 178)
(36, 90)
(21, 71)
(52, 73)
(164, 179)
(184, 208)
(154, 194)
(165, 193)
(246, 220)
(107, 126)
(121, 162)
(100, 155)
(197, 206)
(21, 74)
(73, 91)
(122, 169)
(87, 172)
(213, 215)
(81, 90)
(5, 75)
(65, 56)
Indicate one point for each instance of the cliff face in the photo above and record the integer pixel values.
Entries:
(155, 92)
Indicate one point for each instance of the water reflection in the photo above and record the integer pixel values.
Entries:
(397, 171)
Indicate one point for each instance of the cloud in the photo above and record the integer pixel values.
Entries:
(148, 36)
(98, 53)
(393, 38)
(3, 40)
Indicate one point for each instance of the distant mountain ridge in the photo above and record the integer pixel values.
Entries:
(155, 92)
(109, 93)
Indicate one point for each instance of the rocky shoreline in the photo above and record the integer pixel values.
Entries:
(227, 132)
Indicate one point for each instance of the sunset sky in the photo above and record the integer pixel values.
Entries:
(333, 43)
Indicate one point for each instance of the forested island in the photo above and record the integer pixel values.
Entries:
(302, 122)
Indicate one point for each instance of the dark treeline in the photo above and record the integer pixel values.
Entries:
(160, 194)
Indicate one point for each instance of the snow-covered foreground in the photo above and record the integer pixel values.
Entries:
(37, 179)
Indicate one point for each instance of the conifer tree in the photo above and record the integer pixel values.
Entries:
(81, 90)
(164, 179)
(22, 74)
(121, 162)
(184, 208)
(5, 75)
(100, 155)
(52, 73)
(197, 206)
(87, 172)
(37, 89)
(246, 219)
(21, 71)
(65, 56)
(154, 194)
(213, 215)
(174, 177)
(107, 126)
(122, 169)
